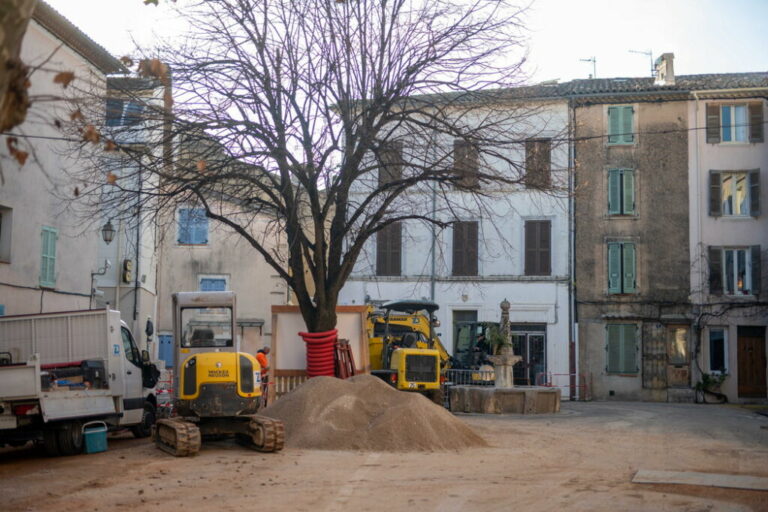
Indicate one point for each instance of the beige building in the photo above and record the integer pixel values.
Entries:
(47, 253)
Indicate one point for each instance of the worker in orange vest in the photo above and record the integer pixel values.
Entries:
(261, 357)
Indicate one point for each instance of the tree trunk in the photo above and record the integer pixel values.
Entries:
(14, 18)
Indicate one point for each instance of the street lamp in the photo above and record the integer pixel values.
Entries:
(108, 232)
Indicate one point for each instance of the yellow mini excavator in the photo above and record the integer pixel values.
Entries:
(217, 388)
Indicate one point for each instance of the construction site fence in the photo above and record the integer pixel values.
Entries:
(573, 385)
(469, 378)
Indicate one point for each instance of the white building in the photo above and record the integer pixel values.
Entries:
(513, 244)
(47, 253)
(728, 161)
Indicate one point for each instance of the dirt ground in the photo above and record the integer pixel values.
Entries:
(580, 459)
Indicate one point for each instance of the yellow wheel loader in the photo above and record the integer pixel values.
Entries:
(217, 388)
(404, 349)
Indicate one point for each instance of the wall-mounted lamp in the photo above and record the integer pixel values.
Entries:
(108, 232)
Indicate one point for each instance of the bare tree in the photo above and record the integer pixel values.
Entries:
(330, 118)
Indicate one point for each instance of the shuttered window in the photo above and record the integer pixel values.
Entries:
(734, 193)
(48, 257)
(538, 159)
(621, 348)
(621, 192)
(389, 242)
(538, 248)
(390, 162)
(735, 122)
(193, 226)
(465, 245)
(123, 112)
(620, 125)
(622, 266)
(466, 161)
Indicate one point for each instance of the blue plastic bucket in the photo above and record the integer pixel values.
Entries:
(95, 435)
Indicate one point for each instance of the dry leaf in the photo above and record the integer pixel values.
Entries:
(77, 116)
(15, 152)
(127, 61)
(110, 146)
(77, 191)
(57, 123)
(154, 68)
(111, 178)
(91, 134)
(201, 165)
(64, 78)
(20, 156)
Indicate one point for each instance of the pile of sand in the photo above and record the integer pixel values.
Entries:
(365, 413)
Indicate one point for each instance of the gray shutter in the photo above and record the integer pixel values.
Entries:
(715, 203)
(756, 275)
(381, 252)
(459, 245)
(756, 122)
(713, 123)
(628, 179)
(614, 268)
(715, 270)
(545, 248)
(628, 348)
(629, 268)
(614, 125)
(613, 348)
(626, 124)
(614, 191)
(395, 248)
(754, 193)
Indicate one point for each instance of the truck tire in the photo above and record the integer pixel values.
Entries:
(71, 438)
(51, 442)
(144, 429)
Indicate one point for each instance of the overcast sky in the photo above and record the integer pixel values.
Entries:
(706, 36)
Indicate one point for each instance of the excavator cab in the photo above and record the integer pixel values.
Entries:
(217, 388)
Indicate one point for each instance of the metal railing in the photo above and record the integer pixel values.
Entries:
(469, 377)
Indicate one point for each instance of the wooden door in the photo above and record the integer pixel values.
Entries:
(751, 362)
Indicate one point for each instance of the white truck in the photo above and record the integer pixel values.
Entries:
(60, 371)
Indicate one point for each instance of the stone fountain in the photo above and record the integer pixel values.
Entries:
(504, 397)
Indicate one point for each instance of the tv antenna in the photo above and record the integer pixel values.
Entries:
(593, 60)
(649, 53)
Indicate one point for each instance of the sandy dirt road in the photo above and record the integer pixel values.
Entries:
(580, 459)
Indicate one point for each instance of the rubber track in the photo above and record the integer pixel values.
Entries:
(274, 434)
(178, 437)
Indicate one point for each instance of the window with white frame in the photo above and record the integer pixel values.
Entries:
(718, 350)
(734, 122)
(734, 193)
(734, 270)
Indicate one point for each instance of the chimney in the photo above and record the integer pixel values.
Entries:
(665, 70)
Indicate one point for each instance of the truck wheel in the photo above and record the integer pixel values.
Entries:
(51, 442)
(144, 429)
(71, 438)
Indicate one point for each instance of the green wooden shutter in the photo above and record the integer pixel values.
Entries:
(48, 257)
(628, 267)
(713, 123)
(628, 182)
(715, 270)
(613, 348)
(754, 193)
(756, 275)
(628, 348)
(614, 125)
(614, 192)
(715, 195)
(614, 268)
(756, 122)
(626, 124)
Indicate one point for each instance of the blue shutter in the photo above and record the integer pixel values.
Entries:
(165, 349)
(614, 268)
(114, 112)
(185, 235)
(133, 112)
(628, 267)
(725, 123)
(48, 257)
(613, 348)
(200, 228)
(2, 309)
(614, 125)
(614, 191)
(628, 182)
(626, 125)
